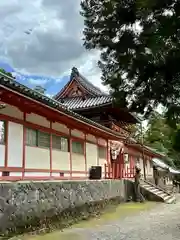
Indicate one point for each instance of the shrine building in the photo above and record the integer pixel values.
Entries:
(46, 138)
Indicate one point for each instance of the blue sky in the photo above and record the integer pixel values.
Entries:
(52, 85)
(41, 40)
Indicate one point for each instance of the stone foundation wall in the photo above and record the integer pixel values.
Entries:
(32, 203)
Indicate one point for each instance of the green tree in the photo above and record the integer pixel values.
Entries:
(7, 73)
(139, 42)
(160, 136)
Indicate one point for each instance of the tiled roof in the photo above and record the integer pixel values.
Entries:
(80, 103)
(159, 163)
(93, 90)
(10, 83)
(90, 87)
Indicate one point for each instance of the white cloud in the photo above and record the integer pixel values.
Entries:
(44, 37)
(39, 81)
(91, 71)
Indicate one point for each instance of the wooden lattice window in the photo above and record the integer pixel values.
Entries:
(37, 138)
(43, 139)
(2, 132)
(31, 137)
(60, 143)
(77, 147)
(102, 152)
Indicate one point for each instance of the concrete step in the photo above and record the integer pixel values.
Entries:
(158, 192)
(170, 199)
(167, 198)
(154, 190)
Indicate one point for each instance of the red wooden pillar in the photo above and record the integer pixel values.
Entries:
(24, 147)
(50, 149)
(70, 151)
(6, 144)
(108, 156)
(132, 164)
(85, 155)
(113, 170)
(121, 160)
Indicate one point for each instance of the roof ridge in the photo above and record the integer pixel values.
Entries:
(84, 82)
(92, 85)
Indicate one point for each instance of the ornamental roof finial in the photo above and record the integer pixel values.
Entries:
(74, 72)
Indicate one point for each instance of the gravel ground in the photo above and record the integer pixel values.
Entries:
(160, 223)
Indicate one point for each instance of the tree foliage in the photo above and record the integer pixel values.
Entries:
(139, 42)
(7, 73)
(160, 136)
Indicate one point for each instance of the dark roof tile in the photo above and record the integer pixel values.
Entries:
(80, 103)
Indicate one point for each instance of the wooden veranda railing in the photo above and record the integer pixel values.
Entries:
(117, 171)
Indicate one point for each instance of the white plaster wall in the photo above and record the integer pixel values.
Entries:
(79, 175)
(37, 158)
(12, 112)
(149, 169)
(91, 155)
(91, 138)
(141, 166)
(15, 144)
(2, 155)
(55, 174)
(102, 162)
(15, 174)
(77, 133)
(126, 161)
(37, 119)
(37, 174)
(60, 160)
(60, 127)
(78, 162)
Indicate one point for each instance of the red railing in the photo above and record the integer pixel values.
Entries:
(128, 172)
(117, 171)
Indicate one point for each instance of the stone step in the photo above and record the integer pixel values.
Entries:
(154, 190)
(158, 192)
(170, 199)
(147, 186)
(167, 198)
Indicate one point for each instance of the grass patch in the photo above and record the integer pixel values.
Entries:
(113, 213)
(110, 214)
